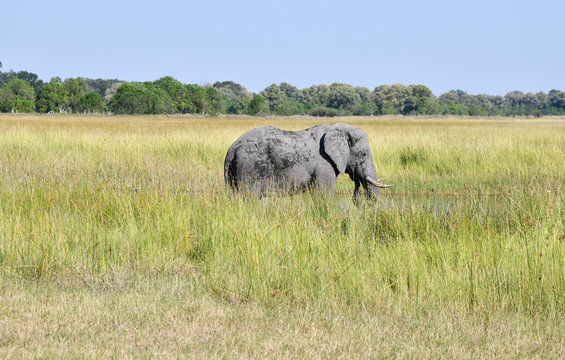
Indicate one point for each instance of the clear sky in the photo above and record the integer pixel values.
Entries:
(488, 46)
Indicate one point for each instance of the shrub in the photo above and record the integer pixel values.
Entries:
(324, 111)
(129, 99)
(258, 105)
(91, 102)
(290, 107)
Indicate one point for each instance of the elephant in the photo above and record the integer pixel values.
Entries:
(266, 159)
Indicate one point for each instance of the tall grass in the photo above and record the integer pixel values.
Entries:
(475, 221)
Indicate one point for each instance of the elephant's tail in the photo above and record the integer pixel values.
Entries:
(229, 171)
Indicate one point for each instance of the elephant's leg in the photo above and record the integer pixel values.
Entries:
(325, 181)
(357, 191)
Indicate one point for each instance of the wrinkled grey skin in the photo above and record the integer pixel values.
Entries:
(266, 158)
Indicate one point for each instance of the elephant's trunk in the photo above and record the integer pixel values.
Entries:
(371, 191)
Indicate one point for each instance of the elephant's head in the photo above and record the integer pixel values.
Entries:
(348, 148)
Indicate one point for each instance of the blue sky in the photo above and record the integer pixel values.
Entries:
(490, 47)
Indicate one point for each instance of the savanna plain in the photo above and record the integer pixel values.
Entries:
(118, 238)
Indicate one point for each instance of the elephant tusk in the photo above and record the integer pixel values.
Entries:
(376, 183)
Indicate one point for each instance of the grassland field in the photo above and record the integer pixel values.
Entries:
(118, 238)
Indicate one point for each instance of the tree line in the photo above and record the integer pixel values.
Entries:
(25, 92)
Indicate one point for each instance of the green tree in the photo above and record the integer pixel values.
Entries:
(556, 99)
(290, 91)
(450, 97)
(315, 95)
(111, 91)
(158, 101)
(7, 76)
(274, 96)
(91, 102)
(258, 105)
(290, 106)
(196, 100)
(101, 85)
(324, 111)
(216, 102)
(52, 97)
(514, 98)
(365, 108)
(75, 89)
(130, 99)
(32, 79)
(177, 92)
(232, 91)
(531, 101)
(390, 99)
(191, 98)
(17, 95)
(458, 102)
(240, 106)
(364, 93)
(543, 99)
(343, 96)
(419, 100)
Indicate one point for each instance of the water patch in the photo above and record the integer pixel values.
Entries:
(441, 205)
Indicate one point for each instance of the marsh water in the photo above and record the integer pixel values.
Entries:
(439, 203)
(498, 206)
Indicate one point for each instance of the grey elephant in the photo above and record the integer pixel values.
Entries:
(268, 159)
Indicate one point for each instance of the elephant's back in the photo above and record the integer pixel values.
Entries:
(261, 133)
(269, 147)
(253, 138)
(250, 146)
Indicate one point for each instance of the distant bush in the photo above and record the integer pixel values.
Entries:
(290, 107)
(91, 102)
(258, 105)
(130, 99)
(366, 108)
(324, 111)
(240, 106)
(217, 103)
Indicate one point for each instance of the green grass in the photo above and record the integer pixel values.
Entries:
(473, 228)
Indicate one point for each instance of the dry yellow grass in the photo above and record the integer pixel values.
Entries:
(157, 318)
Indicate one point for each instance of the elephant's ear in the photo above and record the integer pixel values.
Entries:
(337, 147)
